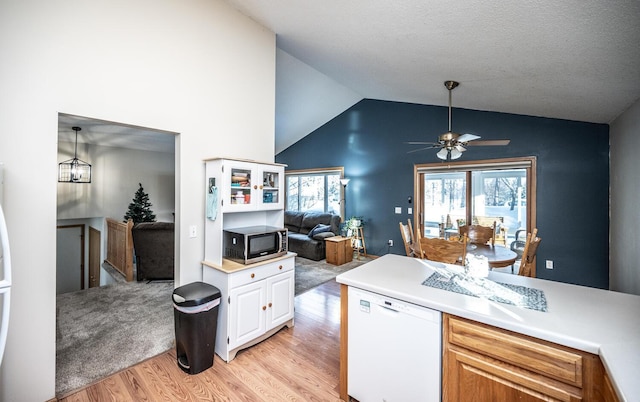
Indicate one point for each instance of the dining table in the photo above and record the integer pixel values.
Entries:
(497, 256)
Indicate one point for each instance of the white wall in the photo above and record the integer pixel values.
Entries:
(624, 266)
(324, 99)
(194, 67)
(115, 175)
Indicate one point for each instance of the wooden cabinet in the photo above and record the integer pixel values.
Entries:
(257, 301)
(484, 363)
(338, 250)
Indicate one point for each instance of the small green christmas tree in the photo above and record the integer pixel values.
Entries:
(139, 209)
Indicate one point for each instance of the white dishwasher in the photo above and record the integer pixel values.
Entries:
(394, 350)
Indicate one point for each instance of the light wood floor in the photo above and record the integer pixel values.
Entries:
(296, 364)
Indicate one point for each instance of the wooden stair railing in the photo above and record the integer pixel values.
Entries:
(120, 247)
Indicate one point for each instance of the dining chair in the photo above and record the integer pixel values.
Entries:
(443, 250)
(478, 234)
(529, 253)
(407, 238)
(517, 246)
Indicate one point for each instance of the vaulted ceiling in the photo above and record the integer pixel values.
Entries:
(572, 59)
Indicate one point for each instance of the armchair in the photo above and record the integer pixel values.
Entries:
(153, 244)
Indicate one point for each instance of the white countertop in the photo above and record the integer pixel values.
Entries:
(597, 321)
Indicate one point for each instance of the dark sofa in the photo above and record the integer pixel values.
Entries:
(153, 245)
(300, 224)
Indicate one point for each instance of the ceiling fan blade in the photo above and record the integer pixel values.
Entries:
(467, 137)
(421, 143)
(489, 143)
(422, 149)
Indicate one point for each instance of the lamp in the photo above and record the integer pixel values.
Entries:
(344, 183)
(74, 170)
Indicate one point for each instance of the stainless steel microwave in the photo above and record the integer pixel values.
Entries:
(254, 243)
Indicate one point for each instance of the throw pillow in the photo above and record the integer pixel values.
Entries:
(319, 228)
(323, 235)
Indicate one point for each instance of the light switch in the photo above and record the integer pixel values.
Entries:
(192, 231)
(409, 211)
(398, 210)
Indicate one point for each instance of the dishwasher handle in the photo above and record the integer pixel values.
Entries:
(387, 310)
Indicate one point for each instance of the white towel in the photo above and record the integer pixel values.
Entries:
(212, 203)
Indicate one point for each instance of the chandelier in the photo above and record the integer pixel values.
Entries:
(74, 170)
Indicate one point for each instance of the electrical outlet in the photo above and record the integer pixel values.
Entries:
(390, 243)
(409, 211)
(549, 264)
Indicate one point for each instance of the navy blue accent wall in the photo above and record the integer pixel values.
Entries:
(573, 175)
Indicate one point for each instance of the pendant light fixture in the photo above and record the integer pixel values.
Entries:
(74, 170)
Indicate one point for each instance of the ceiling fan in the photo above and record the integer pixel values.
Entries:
(451, 144)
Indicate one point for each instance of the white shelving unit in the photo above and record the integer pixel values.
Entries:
(257, 299)
(265, 204)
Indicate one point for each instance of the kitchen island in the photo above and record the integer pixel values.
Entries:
(599, 322)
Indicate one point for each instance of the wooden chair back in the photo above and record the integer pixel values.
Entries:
(479, 234)
(529, 253)
(407, 238)
(417, 245)
(500, 231)
(442, 250)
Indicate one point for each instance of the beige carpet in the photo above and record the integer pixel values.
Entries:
(102, 330)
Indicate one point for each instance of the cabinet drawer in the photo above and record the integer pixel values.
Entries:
(260, 272)
(537, 356)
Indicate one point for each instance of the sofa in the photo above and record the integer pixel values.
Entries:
(307, 231)
(153, 246)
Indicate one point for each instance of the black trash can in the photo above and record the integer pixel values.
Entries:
(196, 321)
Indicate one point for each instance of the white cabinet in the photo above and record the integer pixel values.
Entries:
(247, 186)
(240, 193)
(257, 301)
(259, 307)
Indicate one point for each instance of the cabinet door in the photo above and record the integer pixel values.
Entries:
(237, 192)
(280, 294)
(268, 184)
(247, 313)
(473, 377)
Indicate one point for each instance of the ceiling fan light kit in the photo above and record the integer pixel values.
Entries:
(451, 144)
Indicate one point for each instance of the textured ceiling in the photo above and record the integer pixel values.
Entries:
(574, 59)
(110, 134)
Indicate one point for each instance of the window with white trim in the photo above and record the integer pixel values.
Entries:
(315, 190)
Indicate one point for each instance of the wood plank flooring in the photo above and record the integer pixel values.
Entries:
(296, 364)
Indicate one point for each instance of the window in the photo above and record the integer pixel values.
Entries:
(481, 192)
(314, 190)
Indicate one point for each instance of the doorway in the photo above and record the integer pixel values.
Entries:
(69, 258)
(94, 257)
(121, 156)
